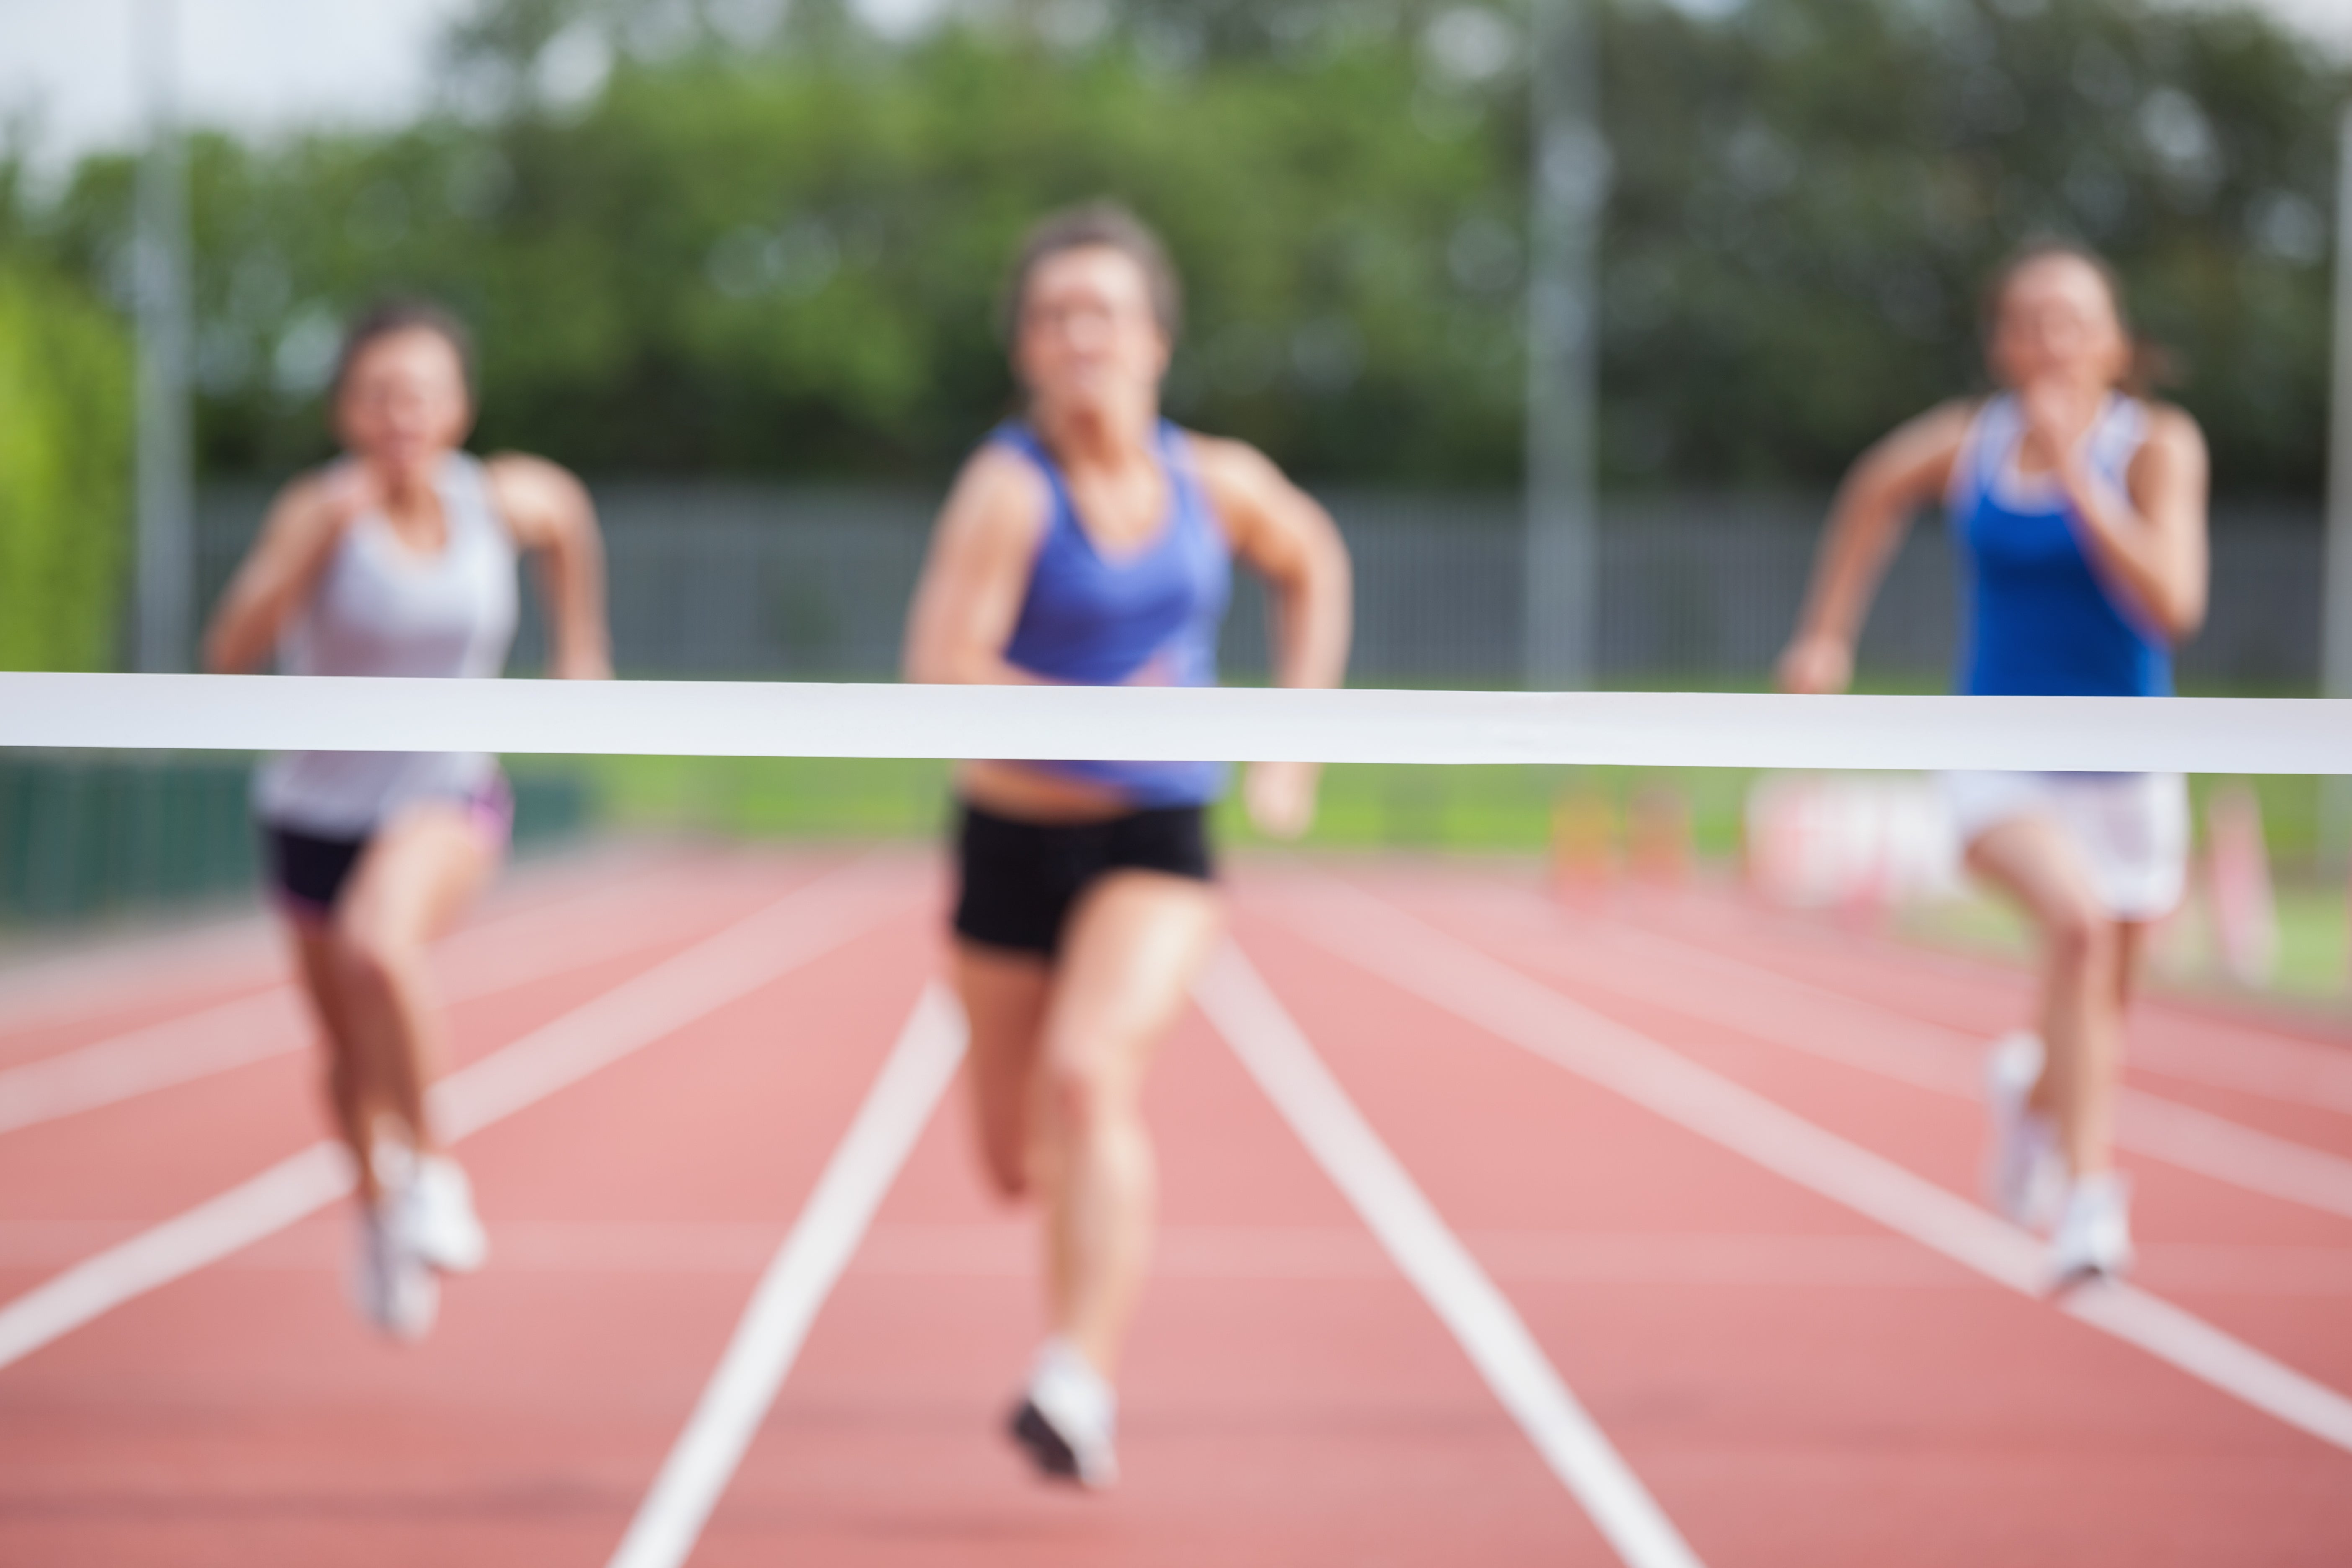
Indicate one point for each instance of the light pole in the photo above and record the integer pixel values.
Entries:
(1569, 187)
(2336, 582)
(164, 593)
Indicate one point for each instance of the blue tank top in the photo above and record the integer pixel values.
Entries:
(1146, 619)
(2040, 621)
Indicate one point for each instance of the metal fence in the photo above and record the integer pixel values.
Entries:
(803, 582)
(91, 834)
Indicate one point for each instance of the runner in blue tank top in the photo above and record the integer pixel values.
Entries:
(2079, 515)
(1089, 543)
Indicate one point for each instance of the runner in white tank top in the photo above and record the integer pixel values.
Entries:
(382, 607)
(399, 559)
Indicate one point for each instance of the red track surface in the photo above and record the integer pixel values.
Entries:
(1792, 1383)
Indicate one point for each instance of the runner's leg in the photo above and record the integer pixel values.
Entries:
(1004, 995)
(2031, 858)
(1130, 951)
(415, 877)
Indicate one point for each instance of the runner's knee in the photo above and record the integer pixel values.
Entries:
(2080, 933)
(1005, 1155)
(1091, 1091)
(371, 958)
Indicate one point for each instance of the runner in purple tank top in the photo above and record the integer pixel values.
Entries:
(1089, 543)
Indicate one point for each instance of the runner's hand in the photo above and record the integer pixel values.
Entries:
(1281, 797)
(2060, 418)
(1816, 666)
(349, 492)
(591, 665)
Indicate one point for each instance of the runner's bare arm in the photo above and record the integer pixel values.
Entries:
(977, 574)
(2149, 539)
(548, 513)
(1285, 535)
(1902, 473)
(298, 538)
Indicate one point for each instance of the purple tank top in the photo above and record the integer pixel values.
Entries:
(1147, 617)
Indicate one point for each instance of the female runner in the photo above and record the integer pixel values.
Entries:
(1087, 541)
(2079, 510)
(399, 559)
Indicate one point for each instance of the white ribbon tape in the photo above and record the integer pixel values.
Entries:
(751, 718)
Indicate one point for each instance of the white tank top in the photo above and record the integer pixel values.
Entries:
(381, 608)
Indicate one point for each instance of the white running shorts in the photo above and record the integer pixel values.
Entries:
(2131, 828)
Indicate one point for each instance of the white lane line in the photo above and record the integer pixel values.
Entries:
(1419, 958)
(58, 983)
(177, 1051)
(1277, 1055)
(52, 982)
(803, 924)
(501, 955)
(2215, 1052)
(298, 1185)
(769, 1337)
(1836, 1027)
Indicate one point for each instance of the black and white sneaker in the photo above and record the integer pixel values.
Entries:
(1068, 1419)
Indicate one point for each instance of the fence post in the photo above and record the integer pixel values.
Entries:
(164, 599)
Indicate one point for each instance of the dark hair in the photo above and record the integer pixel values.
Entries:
(1104, 224)
(2151, 364)
(389, 317)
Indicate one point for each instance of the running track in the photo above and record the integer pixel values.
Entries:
(1496, 1232)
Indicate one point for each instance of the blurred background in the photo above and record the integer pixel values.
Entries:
(735, 261)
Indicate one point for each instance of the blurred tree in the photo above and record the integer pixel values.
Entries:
(1810, 193)
(704, 236)
(65, 450)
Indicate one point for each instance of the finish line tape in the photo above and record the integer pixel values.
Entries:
(753, 719)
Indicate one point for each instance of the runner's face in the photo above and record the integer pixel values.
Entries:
(2058, 322)
(404, 404)
(1088, 337)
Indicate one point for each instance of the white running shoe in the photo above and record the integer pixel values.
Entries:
(1068, 1419)
(436, 1213)
(2094, 1239)
(390, 1285)
(2024, 1179)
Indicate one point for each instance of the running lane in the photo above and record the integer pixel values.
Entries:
(242, 1414)
(1795, 1384)
(55, 998)
(1288, 1398)
(2286, 1071)
(73, 1183)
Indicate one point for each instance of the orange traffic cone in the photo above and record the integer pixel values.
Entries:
(1583, 843)
(1659, 831)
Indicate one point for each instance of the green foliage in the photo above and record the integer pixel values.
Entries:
(1809, 196)
(777, 250)
(65, 466)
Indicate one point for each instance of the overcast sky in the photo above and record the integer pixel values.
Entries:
(271, 64)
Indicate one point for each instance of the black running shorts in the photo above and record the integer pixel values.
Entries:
(307, 871)
(1020, 879)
